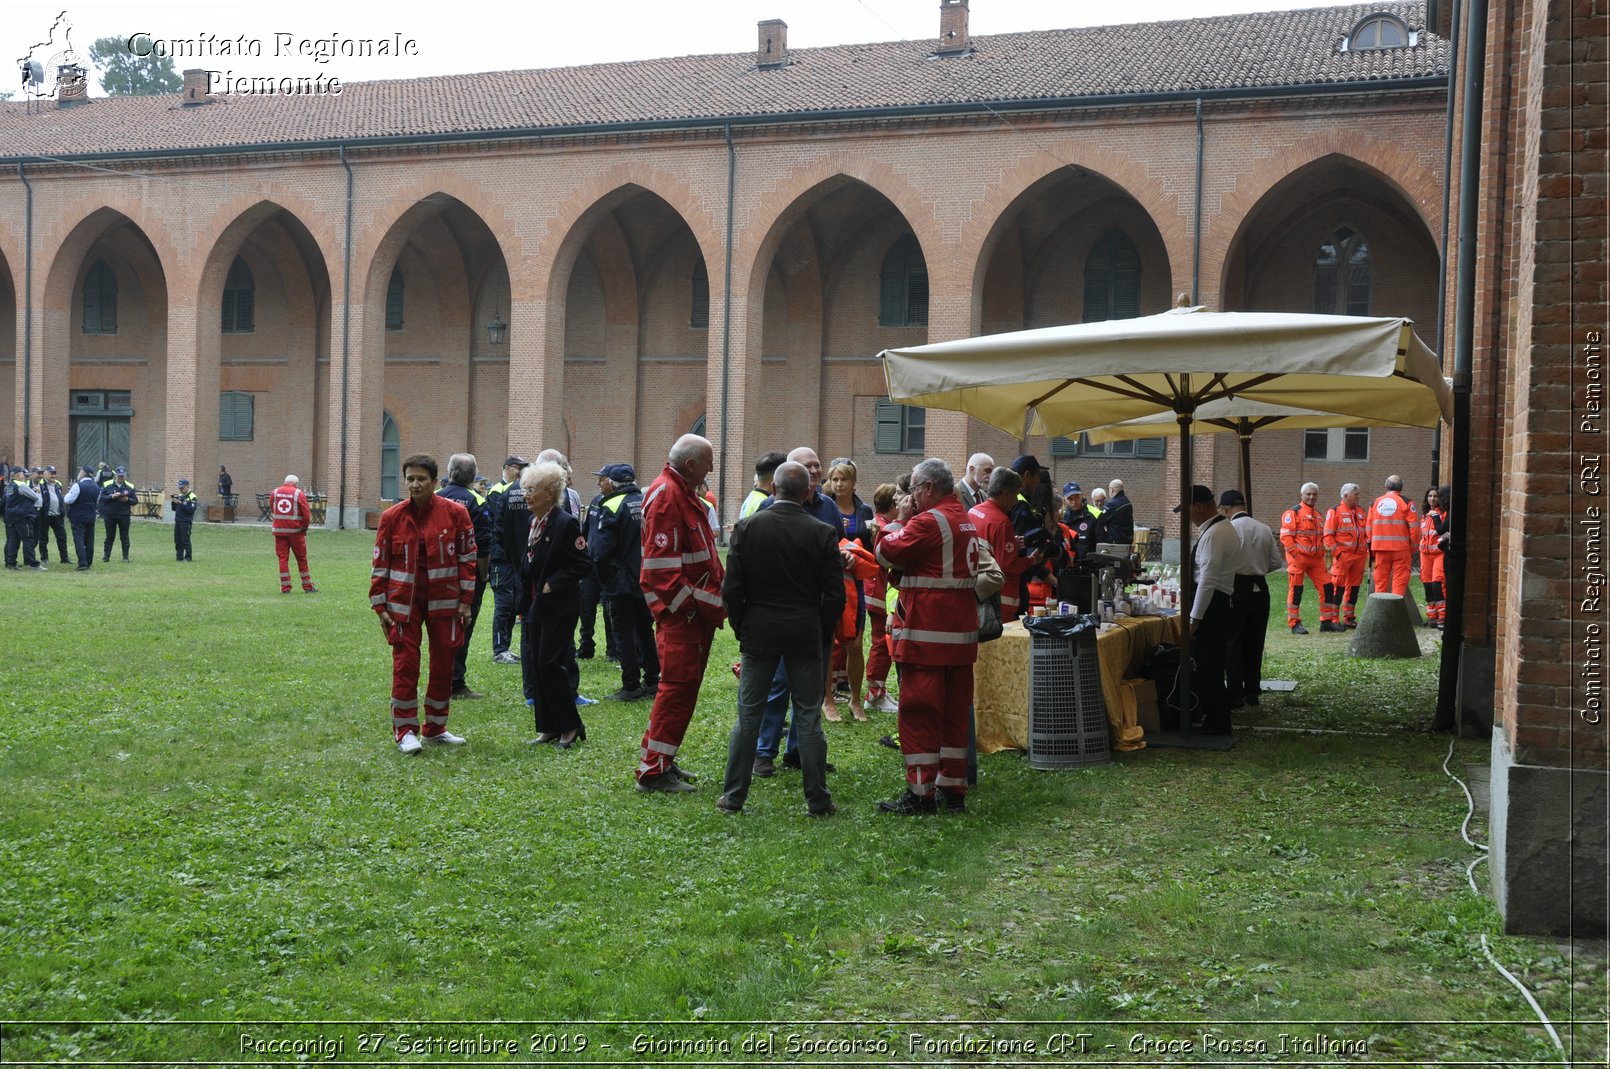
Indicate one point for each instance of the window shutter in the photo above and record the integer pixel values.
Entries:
(892, 300)
(700, 316)
(917, 299)
(886, 428)
(235, 416)
(1151, 448)
(394, 300)
(1064, 447)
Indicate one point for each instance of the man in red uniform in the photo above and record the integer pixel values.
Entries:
(934, 635)
(288, 508)
(1392, 526)
(423, 581)
(991, 517)
(1302, 533)
(1348, 541)
(681, 582)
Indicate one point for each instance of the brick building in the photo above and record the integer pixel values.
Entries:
(599, 259)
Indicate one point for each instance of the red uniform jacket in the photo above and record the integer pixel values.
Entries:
(995, 526)
(936, 621)
(1345, 534)
(449, 559)
(289, 509)
(1302, 532)
(681, 573)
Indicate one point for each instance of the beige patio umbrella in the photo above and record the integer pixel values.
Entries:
(1072, 378)
(1243, 418)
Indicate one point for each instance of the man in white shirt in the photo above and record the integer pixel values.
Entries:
(1217, 556)
(1249, 603)
(973, 487)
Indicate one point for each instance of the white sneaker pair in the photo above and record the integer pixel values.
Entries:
(410, 744)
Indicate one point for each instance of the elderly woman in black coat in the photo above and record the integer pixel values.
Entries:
(553, 565)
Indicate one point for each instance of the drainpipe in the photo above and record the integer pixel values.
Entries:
(726, 312)
(27, 321)
(1196, 249)
(346, 342)
(1442, 274)
(1453, 638)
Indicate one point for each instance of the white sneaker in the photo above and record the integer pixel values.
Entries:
(884, 704)
(409, 743)
(506, 657)
(446, 738)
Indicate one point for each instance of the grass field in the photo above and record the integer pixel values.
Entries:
(206, 822)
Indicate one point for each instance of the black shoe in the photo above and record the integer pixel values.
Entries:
(464, 693)
(625, 694)
(584, 655)
(909, 805)
(82, 568)
(683, 774)
(1298, 629)
(890, 741)
(648, 690)
(1326, 627)
(765, 768)
(664, 783)
(1234, 705)
(565, 744)
(826, 811)
(1252, 699)
(1351, 625)
(954, 802)
(791, 759)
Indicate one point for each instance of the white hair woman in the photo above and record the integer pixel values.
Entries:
(553, 565)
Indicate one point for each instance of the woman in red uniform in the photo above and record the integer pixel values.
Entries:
(423, 582)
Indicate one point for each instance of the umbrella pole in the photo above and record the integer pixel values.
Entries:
(1243, 431)
(1187, 572)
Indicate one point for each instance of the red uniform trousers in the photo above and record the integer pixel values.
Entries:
(446, 635)
(1431, 577)
(1299, 567)
(1346, 576)
(1392, 571)
(684, 649)
(284, 545)
(878, 659)
(935, 707)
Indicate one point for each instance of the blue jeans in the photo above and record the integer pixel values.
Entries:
(776, 711)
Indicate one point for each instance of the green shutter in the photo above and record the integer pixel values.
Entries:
(394, 300)
(235, 416)
(1064, 447)
(886, 437)
(1151, 448)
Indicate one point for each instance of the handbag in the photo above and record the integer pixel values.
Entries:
(989, 618)
(987, 587)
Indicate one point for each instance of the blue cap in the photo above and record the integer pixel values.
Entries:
(1069, 489)
(1026, 464)
(121, 471)
(184, 482)
(51, 469)
(619, 474)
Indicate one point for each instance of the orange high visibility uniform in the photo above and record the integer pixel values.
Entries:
(1348, 541)
(1392, 523)
(1431, 570)
(1302, 533)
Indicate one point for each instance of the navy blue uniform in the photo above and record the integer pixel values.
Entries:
(86, 495)
(475, 505)
(117, 504)
(590, 593)
(184, 518)
(616, 544)
(22, 510)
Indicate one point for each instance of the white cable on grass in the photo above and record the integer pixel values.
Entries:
(1470, 811)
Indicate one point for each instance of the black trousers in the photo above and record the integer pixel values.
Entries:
(20, 533)
(505, 591)
(634, 640)
(548, 665)
(84, 542)
(591, 595)
(181, 538)
(1249, 627)
(116, 526)
(1209, 649)
(48, 524)
(461, 658)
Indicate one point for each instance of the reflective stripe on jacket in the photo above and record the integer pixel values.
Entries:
(1302, 532)
(288, 508)
(1391, 521)
(1345, 534)
(449, 564)
(1429, 547)
(935, 554)
(681, 574)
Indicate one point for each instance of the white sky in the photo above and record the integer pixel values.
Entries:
(553, 33)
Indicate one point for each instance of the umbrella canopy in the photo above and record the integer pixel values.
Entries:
(1087, 375)
(1072, 378)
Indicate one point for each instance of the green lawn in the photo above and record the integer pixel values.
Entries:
(206, 821)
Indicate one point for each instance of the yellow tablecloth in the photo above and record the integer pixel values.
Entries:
(1001, 680)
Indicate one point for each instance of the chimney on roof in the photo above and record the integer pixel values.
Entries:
(72, 85)
(196, 84)
(773, 50)
(953, 38)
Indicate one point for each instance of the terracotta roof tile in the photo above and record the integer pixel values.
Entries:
(1268, 50)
